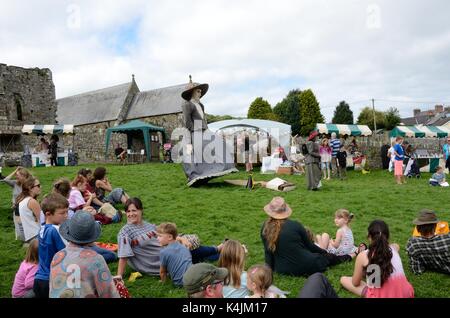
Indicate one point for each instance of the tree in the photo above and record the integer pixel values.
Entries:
(288, 110)
(343, 114)
(366, 118)
(392, 118)
(259, 109)
(310, 113)
(213, 118)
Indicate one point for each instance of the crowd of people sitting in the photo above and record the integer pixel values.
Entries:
(60, 233)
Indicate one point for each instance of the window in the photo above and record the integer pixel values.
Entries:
(18, 101)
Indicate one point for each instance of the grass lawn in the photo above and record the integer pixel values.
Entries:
(219, 211)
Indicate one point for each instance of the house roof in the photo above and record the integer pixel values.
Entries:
(157, 102)
(419, 120)
(92, 107)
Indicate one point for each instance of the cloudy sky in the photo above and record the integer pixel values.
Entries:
(397, 52)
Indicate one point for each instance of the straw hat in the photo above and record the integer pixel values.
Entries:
(278, 209)
(187, 93)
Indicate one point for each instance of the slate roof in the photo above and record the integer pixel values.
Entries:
(92, 107)
(157, 102)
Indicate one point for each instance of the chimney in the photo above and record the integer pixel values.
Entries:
(439, 108)
(416, 111)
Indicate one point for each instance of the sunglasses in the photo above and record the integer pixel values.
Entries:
(37, 185)
(217, 282)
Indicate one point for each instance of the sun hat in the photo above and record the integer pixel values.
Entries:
(81, 228)
(278, 209)
(426, 217)
(190, 87)
(200, 275)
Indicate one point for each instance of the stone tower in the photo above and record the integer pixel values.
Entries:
(27, 96)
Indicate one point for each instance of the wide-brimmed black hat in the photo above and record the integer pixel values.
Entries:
(81, 228)
(187, 93)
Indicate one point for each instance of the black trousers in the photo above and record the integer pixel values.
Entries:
(41, 288)
(53, 161)
(317, 286)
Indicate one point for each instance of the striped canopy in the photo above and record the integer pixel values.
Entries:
(47, 129)
(351, 130)
(420, 131)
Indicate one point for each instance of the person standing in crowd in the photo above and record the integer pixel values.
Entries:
(398, 163)
(312, 161)
(446, 151)
(53, 150)
(335, 145)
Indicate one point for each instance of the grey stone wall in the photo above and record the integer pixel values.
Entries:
(32, 89)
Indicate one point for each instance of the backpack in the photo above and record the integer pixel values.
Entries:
(304, 149)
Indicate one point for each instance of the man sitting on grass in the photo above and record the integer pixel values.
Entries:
(429, 251)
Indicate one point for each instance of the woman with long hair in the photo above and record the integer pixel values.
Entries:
(382, 266)
(287, 247)
(29, 208)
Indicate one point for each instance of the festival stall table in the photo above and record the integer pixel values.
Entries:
(426, 159)
(42, 159)
(353, 161)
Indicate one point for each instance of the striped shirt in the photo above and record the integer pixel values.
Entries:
(335, 144)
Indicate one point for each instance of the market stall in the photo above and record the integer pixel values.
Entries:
(427, 159)
(356, 159)
(65, 155)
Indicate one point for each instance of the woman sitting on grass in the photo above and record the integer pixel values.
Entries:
(138, 243)
(102, 185)
(287, 247)
(382, 266)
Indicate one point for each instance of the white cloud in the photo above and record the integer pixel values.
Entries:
(243, 49)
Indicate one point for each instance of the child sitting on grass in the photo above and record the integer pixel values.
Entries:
(344, 242)
(24, 280)
(438, 178)
(259, 282)
(175, 257)
(232, 257)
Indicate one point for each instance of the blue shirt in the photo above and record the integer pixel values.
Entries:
(446, 149)
(176, 258)
(399, 149)
(50, 243)
(335, 144)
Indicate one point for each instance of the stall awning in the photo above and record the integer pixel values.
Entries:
(351, 130)
(419, 131)
(47, 129)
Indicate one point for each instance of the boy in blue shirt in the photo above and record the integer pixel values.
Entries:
(55, 208)
(175, 257)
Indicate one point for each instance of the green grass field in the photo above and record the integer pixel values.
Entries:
(220, 210)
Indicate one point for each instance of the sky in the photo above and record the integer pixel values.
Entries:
(396, 52)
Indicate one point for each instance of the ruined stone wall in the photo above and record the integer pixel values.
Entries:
(27, 96)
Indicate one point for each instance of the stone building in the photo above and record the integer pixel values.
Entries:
(94, 112)
(27, 96)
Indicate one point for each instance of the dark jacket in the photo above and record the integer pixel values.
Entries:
(342, 158)
(295, 254)
(190, 114)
